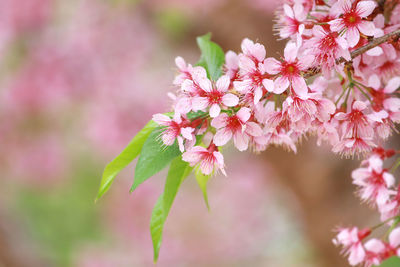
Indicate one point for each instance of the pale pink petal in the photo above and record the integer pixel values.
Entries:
(259, 52)
(357, 255)
(187, 132)
(205, 84)
(288, 11)
(223, 83)
(281, 84)
(352, 36)
(199, 103)
(299, 12)
(220, 161)
(219, 121)
(243, 114)
(336, 25)
(214, 110)
(306, 61)
(243, 86)
(206, 167)
(389, 179)
(359, 105)
(366, 27)
(394, 237)
(258, 93)
(180, 143)
(392, 85)
(241, 141)
(183, 105)
(219, 158)
(365, 8)
(253, 129)
(272, 66)
(318, 31)
(392, 104)
(374, 81)
(230, 100)
(268, 84)
(180, 63)
(222, 137)
(168, 138)
(374, 52)
(188, 86)
(300, 86)
(161, 119)
(199, 72)
(375, 245)
(193, 157)
(246, 64)
(231, 60)
(290, 52)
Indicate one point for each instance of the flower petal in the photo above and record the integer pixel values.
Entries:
(230, 100)
(299, 86)
(243, 114)
(365, 8)
(223, 83)
(222, 137)
(352, 36)
(214, 110)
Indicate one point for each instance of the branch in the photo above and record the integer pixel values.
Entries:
(374, 42)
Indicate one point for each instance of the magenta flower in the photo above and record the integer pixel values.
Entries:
(374, 182)
(208, 159)
(291, 22)
(351, 19)
(214, 95)
(253, 77)
(377, 250)
(350, 239)
(176, 128)
(327, 47)
(238, 126)
(289, 71)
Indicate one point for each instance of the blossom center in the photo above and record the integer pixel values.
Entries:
(289, 69)
(234, 124)
(351, 18)
(215, 97)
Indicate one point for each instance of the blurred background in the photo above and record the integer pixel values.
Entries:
(78, 79)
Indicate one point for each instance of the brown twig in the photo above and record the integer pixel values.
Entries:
(373, 43)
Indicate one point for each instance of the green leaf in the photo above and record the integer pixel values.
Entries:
(130, 152)
(392, 262)
(178, 171)
(212, 56)
(202, 181)
(154, 157)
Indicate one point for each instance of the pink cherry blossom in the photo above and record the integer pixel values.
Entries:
(327, 46)
(208, 159)
(289, 71)
(214, 96)
(176, 128)
(291, 21)
(377, 250)
(351, 19)
(237, 126)
(350, 239)
(374, 182)
(253, 77)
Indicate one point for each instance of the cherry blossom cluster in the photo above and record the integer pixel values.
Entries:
(376, 186)
(337, 80)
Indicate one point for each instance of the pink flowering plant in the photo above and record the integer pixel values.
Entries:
(338, 79)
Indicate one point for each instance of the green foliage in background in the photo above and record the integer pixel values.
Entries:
(392, 262)
(63, 218)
